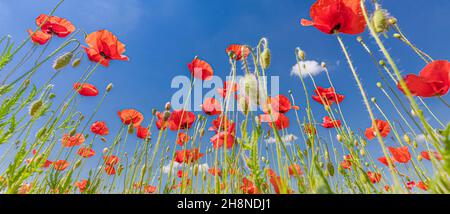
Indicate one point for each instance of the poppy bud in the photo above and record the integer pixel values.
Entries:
(168, 106)
(373, 99)
(109, 87)
(415, 145)
(143, 169)
(26, 83)
(77, 164)
(51, 96)
(413, 113)
(397, 36)
(119, 170)
(204, 177)
(41, 132)
(168, 149)
(200, 117)
(339, 137)
(154, 111)
(321, 164)
(407, 139)
(35, 107)
(362, 152)
(105, 150)
(202, 132)
(103, 139)
(366, 164)
(76, 62)
(379, 20)
(392, 21)
(73, 132)
(382, 63)
(327, 107)
(379, 85)
(419, 158)
(330, 168)
(263, 159)
(195, 170)
(265, 58)
(359, 39)
(62, 61)
(301, 55)
(166, 116)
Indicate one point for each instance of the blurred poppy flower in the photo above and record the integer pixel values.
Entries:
(383, 128)
(329, 123)
(200, 69)
(433, 80)
(426, 155)
(238, 52)
(149, 189)
(221, 123)
(222, 137)
(131, 116)
(71, 141)
(327, 96)
(142, 132)
(161, 124)
(182, 138)
(180, 173)
(280, 120)
(214, 172)
(86, 152)
(181, 120)
(275, 180)
(279, 103)
(410, 185)
(111, 160)
(331, 16)
(81, 185)
(346, 163)
(384, 160)
(188, 156)
(99, 128)
(61, 165)
(50, 26)
(211, 106)
(228, 88)
(86, 89)
(248, 187)
(374, 177)
(423, 186)
(400, 154)
(103, 47)
(309, 129)
(294, 170)
(110, 170)
(45, 165)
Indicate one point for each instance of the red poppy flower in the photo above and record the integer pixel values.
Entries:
(99, 128)
(309, 129)
(279, 103)
(214, 172)
(239, 51)
(180, 173)
(433, 80)
(221, 123)
(131, 116)
(248, 187)
(71, 141)
(387, 188)
(149, 189)
(181, 119)
(347, 163)
(211, 106)
(103, 47)
(423, 186)
(188, 156)
(52, 25)
(200, 69)
(61, 165)
(86, 89)
(86, 152)
(384, 160)
(142, 132)
(410, 185)
(374, 177)
(400, 154)
(182, 138)
(222, 137)
(280, 120)
(81, 185)
(275, 180)
(329, 123)
(383, 128)
(160, 123)
(327, 96)
(110, 170)
(426, 155)
(295, 170)
(111, 160)
(227, 86)
(47, 164)
(330, 16)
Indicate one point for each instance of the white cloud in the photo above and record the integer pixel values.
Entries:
(287, 139)
(421, 138)
(175, 166)
(306, 68)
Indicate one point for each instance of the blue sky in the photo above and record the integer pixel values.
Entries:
(163, 36)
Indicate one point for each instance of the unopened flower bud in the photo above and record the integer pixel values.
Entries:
(77, 164)
(35, 107)
(359, 39)
(323, 64)
(419, 158)
(407, 139)
(397, 36)
(301, 54)
(154, 111)
(379, 85)
(265, 58)
(339, 137)
(362, 152)
(168, 106)
(105, 150)
(76, 62)
(109, 87)
(62, 61)
(103, 139)
(392, 21)
(382, 62)
(166, 115)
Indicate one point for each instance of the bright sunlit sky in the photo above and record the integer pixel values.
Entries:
(161, 37)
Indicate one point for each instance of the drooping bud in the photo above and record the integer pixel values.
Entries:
(62, 61)
(359, 39)
(265, 58)
(76, 62)
(73, 132)
(103, 139)
(130, 129)
(323, 64)
(35, 107)
(392, 21)
(109, 87)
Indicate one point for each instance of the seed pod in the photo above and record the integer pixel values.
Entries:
(76, 62)
(35, 107)
(265, 58)
(62, 61)
(392, 21)
(154, 111)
